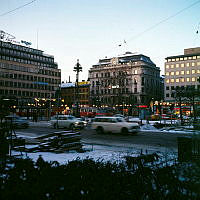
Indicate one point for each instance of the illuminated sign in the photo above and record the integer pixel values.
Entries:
(6, 37)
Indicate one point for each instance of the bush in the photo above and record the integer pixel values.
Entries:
(89, 179)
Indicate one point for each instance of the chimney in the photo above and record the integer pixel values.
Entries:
(69, 80)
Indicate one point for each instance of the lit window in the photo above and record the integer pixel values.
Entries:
(198, 71)
(193, 79)
(167, 66)
(194, 57)
(172, 80)
(167, 80)
(182, 65)
(169, 60)
(167, 73)
(188, 79)
(188, 72)
(185, 58)
(188, 64)
(198, 63)
(173, 59)
(177, 80)
(182, 79)
(172, 73)
(198, 57)
(177, 59)
(177, 73)
(181, 58)
(177, 65)
(172, 66)
(193, 71)
(193, 64)
(182, 72)
(190, 58)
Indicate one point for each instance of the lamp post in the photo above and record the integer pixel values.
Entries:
(77, 69)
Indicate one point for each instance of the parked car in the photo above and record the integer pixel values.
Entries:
(114, 125)
(16, 121)
(66, 121)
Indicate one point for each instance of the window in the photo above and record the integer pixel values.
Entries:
(177, 73)
(177, 80)
(182, 65)
(187, 64)
(177, 59)
(172, 73)
(167, 66)
(172, 87)
(193, 79)
(182, 72)
(182, 80)
(193, 71)
(172, 80)
(185, 58)
(188, 72)
(188, 79)
(167, 80)
(181, 58)
(177, 65)
(198, 63)
(194, 57)
(167, 95)
(167, 87)
(167, 73)
(172, 66)
(193, 64)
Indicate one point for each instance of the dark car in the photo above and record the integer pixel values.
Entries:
(16, 121)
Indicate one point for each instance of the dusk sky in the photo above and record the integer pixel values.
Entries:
(89, 30)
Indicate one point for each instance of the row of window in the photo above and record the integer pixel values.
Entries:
(27, 61)
(20, 48)
(25, 85)
(189, 64)
(29, 78)
(25, 93)
(187, 87)
(177, 80)
(183, 58)
(193, 71)
(29, 56)
(30, 69)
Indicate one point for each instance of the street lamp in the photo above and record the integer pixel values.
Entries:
(77, 69)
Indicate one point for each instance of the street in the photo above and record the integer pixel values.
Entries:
(145, 140)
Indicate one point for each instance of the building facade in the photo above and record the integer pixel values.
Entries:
(127, 80)
(182, 71)
(27, 76)
(69, 96)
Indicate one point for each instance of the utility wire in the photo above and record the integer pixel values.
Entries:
(8, 12)
(157, 24)
(164, 20)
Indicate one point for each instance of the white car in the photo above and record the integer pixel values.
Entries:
(66, 121)
(114, 125)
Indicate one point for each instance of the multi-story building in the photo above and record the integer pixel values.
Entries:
(27, 76)
(182, 71)
(69, 93)
(127, 80)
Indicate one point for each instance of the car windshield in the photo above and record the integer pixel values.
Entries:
(120, 119)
